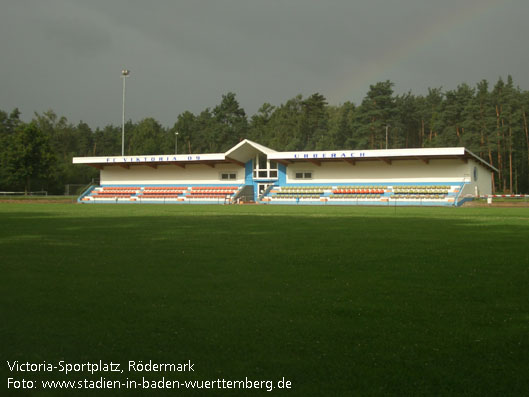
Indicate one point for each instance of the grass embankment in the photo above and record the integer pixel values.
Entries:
(341, 301)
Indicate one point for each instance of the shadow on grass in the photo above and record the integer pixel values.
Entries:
(373, 304)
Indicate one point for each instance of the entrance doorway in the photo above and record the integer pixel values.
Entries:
(261, 188)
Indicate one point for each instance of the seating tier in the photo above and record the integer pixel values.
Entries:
(155, 193)
(372, 193)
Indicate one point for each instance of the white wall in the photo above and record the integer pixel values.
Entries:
(447, 170)
(329, 172)
(170, 174)
(483, 182)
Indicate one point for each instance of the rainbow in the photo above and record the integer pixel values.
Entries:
(378, 69)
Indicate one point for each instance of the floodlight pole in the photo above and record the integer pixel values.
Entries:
(176, 143)
(124, 74)
(387, 126)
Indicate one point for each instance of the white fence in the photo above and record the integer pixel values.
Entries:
(39, 193)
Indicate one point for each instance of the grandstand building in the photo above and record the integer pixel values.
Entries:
(250, 172)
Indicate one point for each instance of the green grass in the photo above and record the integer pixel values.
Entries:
(340, 300)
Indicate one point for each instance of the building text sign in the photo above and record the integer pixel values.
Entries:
(151, 159)
(328, 155)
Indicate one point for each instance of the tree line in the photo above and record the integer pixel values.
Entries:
(489, 121)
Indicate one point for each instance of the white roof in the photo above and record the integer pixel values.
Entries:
(247, 142)
(150, 158)
(246, 150)
(420, 153)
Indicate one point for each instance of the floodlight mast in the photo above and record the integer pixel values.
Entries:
(124, 75)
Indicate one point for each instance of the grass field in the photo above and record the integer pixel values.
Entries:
(340, 301)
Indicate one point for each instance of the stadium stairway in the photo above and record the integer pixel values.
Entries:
(246, 195)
